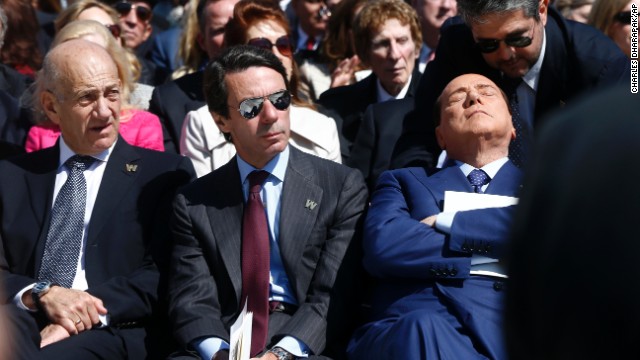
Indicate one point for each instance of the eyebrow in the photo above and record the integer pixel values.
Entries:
(478, 86)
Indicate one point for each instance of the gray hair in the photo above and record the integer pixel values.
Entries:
(3, 26)
(473, 11)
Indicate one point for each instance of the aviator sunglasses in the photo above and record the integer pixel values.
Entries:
(490, 45)
(250, 108)
(283, 44)
(123, 8)
(623, 17)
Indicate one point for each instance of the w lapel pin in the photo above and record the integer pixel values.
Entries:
(311, 204)
(131, 167)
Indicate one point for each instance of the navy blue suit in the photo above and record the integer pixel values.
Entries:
(577, 57)
(426, 304)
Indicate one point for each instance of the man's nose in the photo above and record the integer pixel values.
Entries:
(269, 113)
(394, 50)
(505, 52)
(102, 109)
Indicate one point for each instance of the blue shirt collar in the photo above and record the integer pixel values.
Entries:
(277, 166)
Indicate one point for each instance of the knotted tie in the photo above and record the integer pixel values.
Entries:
(310, 44)
(255, 262)
(64, 238)
(518, 147)
(478, 178)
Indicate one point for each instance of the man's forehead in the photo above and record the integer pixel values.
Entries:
(467, 82)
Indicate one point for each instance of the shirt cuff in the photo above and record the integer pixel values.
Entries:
(294, 346)
(208, 347)
(444, 221)
(17, 300)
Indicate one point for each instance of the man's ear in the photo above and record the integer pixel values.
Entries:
(221, 122)
(49, 102)
(543, 10)
(148, 30)
(440, 138)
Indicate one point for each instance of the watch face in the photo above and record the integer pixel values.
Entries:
(41, 286)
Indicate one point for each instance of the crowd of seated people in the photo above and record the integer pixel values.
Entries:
(148, 192)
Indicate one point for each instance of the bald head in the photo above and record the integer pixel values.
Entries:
(474, 120)
(80, 92)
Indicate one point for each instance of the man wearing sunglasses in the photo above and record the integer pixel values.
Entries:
(540, 59)
(270, 228)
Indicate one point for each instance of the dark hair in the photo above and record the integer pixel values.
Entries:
(235, 59)
(472, 11)
(21, 43)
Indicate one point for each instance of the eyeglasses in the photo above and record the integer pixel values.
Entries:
(123, 8)
(623, 17)
(250, 108)
(114, 29)
(283, 44)
(490, 45)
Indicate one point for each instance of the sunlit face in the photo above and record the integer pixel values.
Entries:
(471, 108)
(621, 33)
(513, 61)
(216, 16)
(392, 55)
(272, 31)
(86, 103)
(259, 139)
(432, 14)
(311, 20)
(135, 30)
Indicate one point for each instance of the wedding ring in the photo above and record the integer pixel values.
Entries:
(78, 321)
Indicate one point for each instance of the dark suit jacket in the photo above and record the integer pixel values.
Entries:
(172, 101)
(13, 82)
(15, 121)
(350, 103)
(380, 129)
(406, 257)
(127, 234)
(577, 58)
(206, 282)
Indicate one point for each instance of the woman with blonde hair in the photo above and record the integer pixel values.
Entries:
(613, 17)
(137, 127)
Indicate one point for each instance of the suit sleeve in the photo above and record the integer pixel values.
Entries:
(482, 232)
(156, 107)
(363, 146)
(193, 292)
(193, 143)
(308, 324)
(134, 296)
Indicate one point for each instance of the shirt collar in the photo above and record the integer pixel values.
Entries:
(276, 167)
(491, 168)
(532, 77)
(302, 39)
(66, 152)
(383, 95)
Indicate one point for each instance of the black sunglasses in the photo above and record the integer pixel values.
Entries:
(123, 8)
(283, 44)
(250, 108)
(114, 29)
(623, 17)
(490, 45)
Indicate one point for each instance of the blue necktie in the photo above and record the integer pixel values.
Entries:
(478, 178)
(64, 238)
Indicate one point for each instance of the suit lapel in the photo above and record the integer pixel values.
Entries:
(226, 219)
(40, 180)
(121, 172)
(552, 87)
(507, 181)
(447, 179)
(300, 205)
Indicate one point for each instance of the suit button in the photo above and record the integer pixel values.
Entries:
(432, 271)
(498, 286)
(487, 248)
(453, 272)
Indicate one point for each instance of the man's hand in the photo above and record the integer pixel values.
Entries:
(429, 220)
(344, 72)
(76, 311)
(266, 356)
(221, 355)
(52, 333)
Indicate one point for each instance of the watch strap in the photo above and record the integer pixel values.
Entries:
(281, 353)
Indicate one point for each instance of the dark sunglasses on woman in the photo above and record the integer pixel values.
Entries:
(123, 8)
(283, 44)
(623, 17)
(250, 108)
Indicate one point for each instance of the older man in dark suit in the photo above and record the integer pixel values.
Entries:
(438, 271)
(540, 59)
(83, 224)
(270, 228)
(389, 41)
